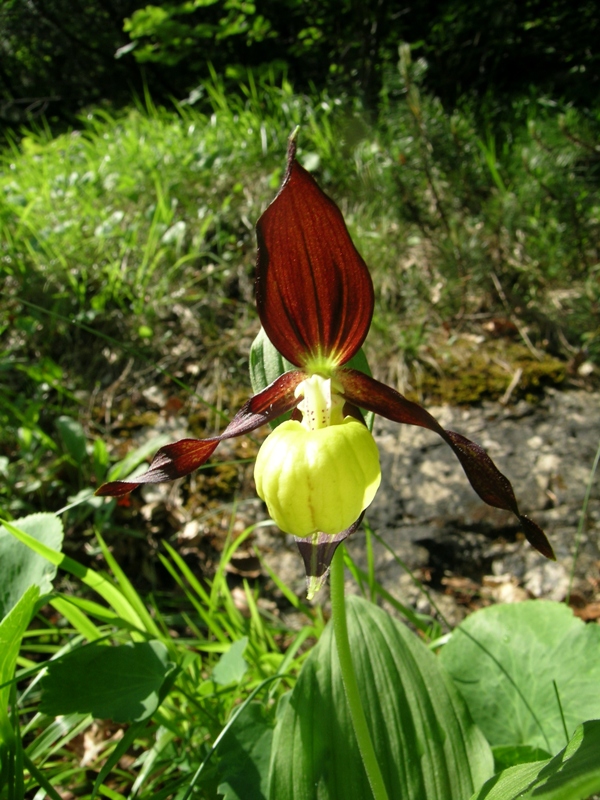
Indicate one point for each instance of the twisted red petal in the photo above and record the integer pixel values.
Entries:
(314, 293)
(491, 485)
(180, 458)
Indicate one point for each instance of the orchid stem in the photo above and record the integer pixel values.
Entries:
(357, 714)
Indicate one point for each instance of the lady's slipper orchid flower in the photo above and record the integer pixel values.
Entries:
(319, 471)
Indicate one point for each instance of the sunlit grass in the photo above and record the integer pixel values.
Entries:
(159, 754)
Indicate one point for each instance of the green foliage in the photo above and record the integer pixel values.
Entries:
(12, 630)
(142, 667)
(125, 241)
(245, 755)
(526, 652)
(176, 692)
(573, 774)
(231, 667)
(172, 33)
(426, 743)
(109, 233)
(58, 58)
(512, 213)
(118, 212)
(73, 437)
(105, 233)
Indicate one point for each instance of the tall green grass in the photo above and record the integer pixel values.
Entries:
(222, 649)
(129, 213)
(504, 219)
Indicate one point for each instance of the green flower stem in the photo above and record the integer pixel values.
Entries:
(357, 714)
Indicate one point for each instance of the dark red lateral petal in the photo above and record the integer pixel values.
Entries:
(171, 462)
(314, 293)
(491, 485)
(180, 458)
(267, 405)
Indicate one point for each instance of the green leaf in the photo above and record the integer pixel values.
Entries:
(266, 365)
(100, 459)
(512, 754)
(119, 683)
(20, 568)
(73, 438)
(12, 628)
(129, 593)
(244, 756)
(573, 774)
(232, 666)
(517, 665)
(80, 621)
(424, 738)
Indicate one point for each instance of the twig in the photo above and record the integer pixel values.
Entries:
(522, 332)
(110, 392)
(511, 386)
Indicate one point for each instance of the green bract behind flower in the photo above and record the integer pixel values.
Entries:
(317, 480)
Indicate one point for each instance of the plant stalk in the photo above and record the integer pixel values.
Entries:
(357, 714)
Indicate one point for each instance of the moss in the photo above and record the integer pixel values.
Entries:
(147, 419)
(471, 370)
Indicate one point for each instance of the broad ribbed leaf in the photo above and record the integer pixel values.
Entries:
(244, 756)
(511, 661)
(425, 741)
(180, 458)
(314, 294)
(120, 683)
(491, 485)
(573, 774)
(511, 755)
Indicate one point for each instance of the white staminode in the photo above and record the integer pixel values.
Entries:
(320, 407)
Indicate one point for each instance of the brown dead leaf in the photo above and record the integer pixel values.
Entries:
(588, 612)
(247, 565)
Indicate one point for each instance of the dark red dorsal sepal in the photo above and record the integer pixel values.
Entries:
(314, 294)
